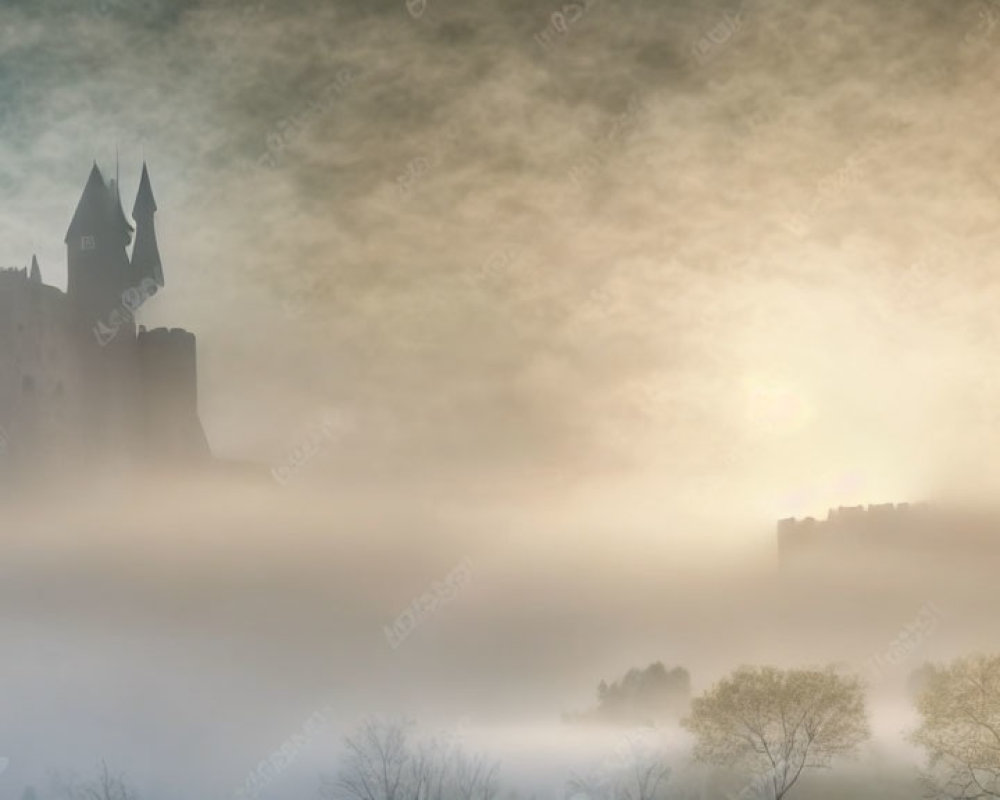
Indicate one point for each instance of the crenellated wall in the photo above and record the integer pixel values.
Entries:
(883, 528)
(66, 398)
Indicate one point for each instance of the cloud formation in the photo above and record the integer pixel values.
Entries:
(737, 227)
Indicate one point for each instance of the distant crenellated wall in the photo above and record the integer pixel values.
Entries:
(859, 529)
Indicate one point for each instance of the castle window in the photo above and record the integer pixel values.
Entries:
(27, 385)
(59, 390)
(87, 243)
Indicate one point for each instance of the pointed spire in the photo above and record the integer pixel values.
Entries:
(99, 207)
(145, 254)
(88, 210)
(144, 201)
(36, 273)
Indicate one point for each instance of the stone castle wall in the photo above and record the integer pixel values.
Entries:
(887, 534)
(67, 400)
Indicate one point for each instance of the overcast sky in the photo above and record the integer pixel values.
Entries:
(591, 288)
(679, 238)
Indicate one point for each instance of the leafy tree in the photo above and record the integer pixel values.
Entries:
(959, 707)
(916, 681)
(778, 723)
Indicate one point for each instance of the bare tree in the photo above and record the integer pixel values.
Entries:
(382, 762)
(106, 786)
(475, 777)
(637, 772)
(959, 706)
(779, 723)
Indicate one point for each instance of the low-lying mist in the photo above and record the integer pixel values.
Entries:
(188, 630)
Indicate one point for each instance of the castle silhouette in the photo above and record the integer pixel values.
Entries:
(883, 533)
(79, 382)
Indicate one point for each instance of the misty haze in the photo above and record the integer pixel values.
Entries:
(499, 400)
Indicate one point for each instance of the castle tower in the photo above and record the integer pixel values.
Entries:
(98, 275)
(97, 262)
(145, 253)
(169, 370)
(78, 384)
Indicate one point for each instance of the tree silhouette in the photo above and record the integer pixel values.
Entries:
(383, 762)
(637, 772)
(642, 696)
(106, 786)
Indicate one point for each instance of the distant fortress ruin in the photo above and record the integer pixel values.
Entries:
(81, 386)
(878, 533)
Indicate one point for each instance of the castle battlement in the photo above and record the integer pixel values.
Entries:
(853, 516)
(166, 336)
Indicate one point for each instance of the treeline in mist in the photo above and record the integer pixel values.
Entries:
(642, 697)
(768, 729)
